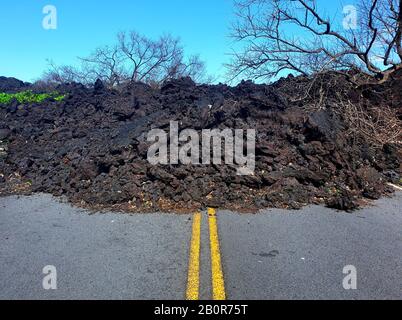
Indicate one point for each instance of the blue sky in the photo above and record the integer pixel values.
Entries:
(202, 25)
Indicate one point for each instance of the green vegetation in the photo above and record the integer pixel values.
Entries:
(29, 97)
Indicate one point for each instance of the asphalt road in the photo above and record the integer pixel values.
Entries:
(275, 254)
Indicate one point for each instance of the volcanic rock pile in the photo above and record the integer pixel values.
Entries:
(92, 148)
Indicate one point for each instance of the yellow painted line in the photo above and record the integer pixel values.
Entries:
(218, 284)
(193, 279)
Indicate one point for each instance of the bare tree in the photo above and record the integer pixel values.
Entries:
(192, 67)
(105, 63)
(294, 36)
(60, 74)
(133, 58)
(146, 58)
(158, 60)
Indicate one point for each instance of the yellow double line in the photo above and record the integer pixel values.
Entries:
(193, 280)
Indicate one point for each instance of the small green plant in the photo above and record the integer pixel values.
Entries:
(29, 97)
(59, 97)
(5, 98)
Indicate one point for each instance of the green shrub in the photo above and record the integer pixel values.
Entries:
(29, 97)
(5, 98)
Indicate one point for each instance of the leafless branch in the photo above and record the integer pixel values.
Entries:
(133, 58)
(264, 31)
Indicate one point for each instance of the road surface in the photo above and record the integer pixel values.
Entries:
(275, 254)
